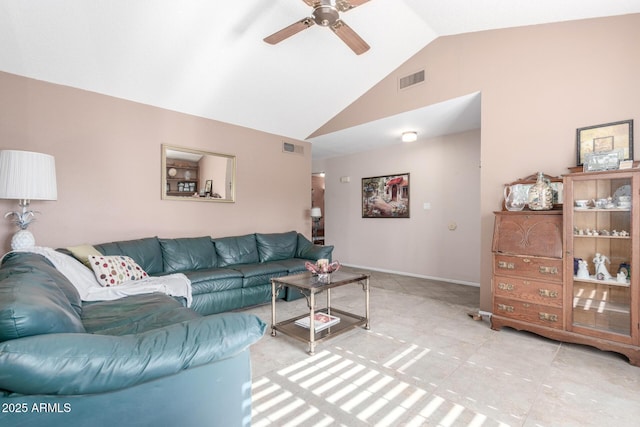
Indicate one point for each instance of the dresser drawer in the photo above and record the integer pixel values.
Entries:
(528, 290)
(534, 268)
(528, 312)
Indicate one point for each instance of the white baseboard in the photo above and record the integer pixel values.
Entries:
(420, 276)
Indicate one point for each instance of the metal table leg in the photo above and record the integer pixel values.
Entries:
(273, 308)
(366, 298)
(312, 325)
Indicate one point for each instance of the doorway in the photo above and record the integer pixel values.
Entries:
(317, 201)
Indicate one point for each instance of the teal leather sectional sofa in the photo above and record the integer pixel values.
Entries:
(226, 273)
(143, 359)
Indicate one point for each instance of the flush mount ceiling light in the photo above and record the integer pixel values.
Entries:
(409, 136)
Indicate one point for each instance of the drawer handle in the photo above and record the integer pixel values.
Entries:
(527, 260)
(548, 270)
(548, 293)
(504, 307)
(505, 286)
(507, 265)
(548, 317)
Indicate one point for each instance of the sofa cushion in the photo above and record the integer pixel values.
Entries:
(293, 265)
(146, 252)
(308, 250)
(41, 263)
(303, 246)
(186, 254)
(276, 246)
(115, 270)
(80, 364)
(236, 250)
(214, 280)
(134, 314)
(35, 299)
(260, 274)
(217, 302)
(82, 252)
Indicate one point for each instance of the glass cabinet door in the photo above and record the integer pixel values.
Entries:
(600, 233)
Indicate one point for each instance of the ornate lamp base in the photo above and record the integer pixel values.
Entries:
(23, 239)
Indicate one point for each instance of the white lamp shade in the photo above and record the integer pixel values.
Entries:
(25, 175)
(316, 212)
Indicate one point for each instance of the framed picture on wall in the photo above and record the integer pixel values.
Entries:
(605, 138)
(385, 196)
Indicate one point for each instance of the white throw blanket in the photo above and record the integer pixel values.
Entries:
(83, 279)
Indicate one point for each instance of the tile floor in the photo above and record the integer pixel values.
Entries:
(426, 362)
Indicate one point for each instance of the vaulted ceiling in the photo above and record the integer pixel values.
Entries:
(208, 57)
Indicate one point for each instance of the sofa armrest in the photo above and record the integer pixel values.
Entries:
(78, 363)
(307, 250)
(317, 252)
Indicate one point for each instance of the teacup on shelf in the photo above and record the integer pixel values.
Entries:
(624, 202)
(601, 203)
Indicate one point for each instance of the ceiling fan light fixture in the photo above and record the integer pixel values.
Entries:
(325, 16)
(409, 136)
(326, 13)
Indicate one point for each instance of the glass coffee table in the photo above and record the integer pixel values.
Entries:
(310, 286)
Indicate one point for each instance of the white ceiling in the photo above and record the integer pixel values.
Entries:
(207, 57)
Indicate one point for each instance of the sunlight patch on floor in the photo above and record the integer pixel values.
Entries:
(330, 387)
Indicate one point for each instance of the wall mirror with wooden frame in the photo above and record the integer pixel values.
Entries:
(196, 175)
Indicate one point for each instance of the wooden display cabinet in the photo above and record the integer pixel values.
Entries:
(603, 310)
(535, 284)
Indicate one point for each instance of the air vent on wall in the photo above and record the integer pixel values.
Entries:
(288, 147)
(411, 80)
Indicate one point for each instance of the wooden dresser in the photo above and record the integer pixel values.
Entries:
(528, 271)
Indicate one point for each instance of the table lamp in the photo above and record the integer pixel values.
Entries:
(316, 214)
(26, 176)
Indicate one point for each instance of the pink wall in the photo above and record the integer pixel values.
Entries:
(445, 173)
(538, 85)
(108, 158)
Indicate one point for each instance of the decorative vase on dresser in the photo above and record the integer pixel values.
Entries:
(574, 275)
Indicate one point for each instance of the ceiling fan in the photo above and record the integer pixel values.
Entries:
(326, 13)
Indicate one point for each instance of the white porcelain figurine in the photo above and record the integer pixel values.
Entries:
(621, 277)
(601, 269)
(583, 269)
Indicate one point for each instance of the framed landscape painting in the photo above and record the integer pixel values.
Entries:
(385, 196)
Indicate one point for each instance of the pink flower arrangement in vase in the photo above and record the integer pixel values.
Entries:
(323, 269)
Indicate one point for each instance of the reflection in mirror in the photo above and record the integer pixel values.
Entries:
(189, 174)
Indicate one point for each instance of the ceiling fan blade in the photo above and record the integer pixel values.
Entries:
(312, 3)
(346, 5)
(289, 31)
(347, 35)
